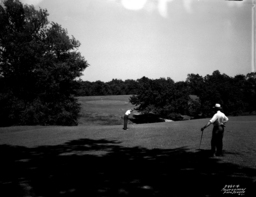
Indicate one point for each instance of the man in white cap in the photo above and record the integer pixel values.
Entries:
(218, 120)
(126, 116)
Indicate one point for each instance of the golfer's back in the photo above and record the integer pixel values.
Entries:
(219, 119)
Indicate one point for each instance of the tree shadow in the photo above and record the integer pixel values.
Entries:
(87, 167)
(145, 118)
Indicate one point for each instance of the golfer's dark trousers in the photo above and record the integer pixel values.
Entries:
(217, 139)
(125, 121)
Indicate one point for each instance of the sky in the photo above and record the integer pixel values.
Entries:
(129, 39)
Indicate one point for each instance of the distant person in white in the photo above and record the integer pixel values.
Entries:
(126, 116)
(218, 120)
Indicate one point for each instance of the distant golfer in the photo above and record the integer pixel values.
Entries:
(218, 120)
(126, 116)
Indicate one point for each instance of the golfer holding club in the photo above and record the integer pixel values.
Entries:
(126, 116)
(218, 120)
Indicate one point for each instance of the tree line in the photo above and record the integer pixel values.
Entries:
(194, 97)
(113, 87)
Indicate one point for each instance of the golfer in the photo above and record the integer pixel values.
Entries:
(218, 120)
(126, 116)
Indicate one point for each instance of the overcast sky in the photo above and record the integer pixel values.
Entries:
(129, 39)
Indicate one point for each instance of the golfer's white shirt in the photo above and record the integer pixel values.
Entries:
(219, 118)
(128, 112)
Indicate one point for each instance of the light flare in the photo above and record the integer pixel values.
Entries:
(134, 4)
(162, 7)
(187, 5)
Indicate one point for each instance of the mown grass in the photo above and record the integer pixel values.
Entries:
(157, 159)
(103, 110)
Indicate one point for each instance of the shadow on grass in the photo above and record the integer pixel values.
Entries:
(90, 168)
(145, 118)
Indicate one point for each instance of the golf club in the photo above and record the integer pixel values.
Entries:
(201, 139)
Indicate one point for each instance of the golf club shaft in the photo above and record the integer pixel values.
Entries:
(201, 139)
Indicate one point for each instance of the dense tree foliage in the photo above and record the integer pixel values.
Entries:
(39, 64)
(152, 95)
(114, 87)
(194, 97)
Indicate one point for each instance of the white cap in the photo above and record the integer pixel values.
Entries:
(217, 105)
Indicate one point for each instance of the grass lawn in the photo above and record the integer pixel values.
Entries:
(160, 159)
(103, 110)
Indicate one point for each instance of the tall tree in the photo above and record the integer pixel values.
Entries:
(39, 64)
(100, 88)
(117, 86)
(180, 97)
(131, 86)
(153, 95)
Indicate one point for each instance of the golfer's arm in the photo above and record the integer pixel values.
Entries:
(225, 120)
(208, 124)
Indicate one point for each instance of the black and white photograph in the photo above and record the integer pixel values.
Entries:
(127, 98)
